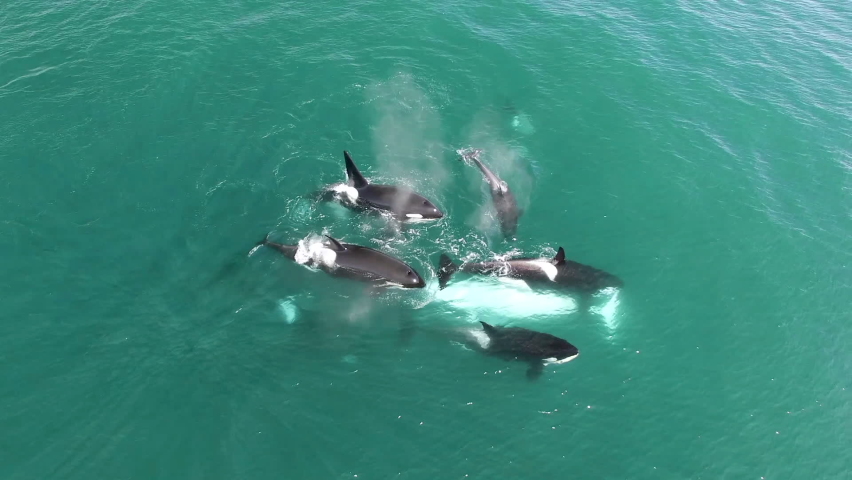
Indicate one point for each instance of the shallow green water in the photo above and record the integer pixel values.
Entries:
(701, 152)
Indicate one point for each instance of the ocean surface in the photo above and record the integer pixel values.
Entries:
(701, 151)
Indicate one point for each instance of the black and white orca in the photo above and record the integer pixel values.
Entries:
(402, 202)
(515, 343)
(350, 261)
(543, 271)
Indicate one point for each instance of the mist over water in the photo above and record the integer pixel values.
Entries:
(407, 136)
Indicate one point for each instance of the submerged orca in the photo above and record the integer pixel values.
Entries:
(504, 201)
(550, 271)
(515, 343)
(350, 261)
(402, 202)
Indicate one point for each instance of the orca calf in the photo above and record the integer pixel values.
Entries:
(350, 261)
(402, 202)
(515, 343)
(504, 201)
(549, 271)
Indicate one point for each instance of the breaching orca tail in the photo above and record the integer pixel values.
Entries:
(446, 269)
(469, 155)
(355, 178)
(259, 244)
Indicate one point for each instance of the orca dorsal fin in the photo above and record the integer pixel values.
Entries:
(559, 259)
(352, 173)
(489, 329)
(337, 245)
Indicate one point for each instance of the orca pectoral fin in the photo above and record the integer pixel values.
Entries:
(584, 302)
(535, 371)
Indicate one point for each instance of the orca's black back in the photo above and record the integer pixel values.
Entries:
(370, 264)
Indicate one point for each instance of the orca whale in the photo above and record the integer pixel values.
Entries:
(347, 260)
(403, 203)
(504, 201)
(543, 271)
(515, 343)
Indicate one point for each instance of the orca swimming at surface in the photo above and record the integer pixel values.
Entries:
(508, 212)
(402, 202)
(350, 261)
(547, 271)
(515, 343)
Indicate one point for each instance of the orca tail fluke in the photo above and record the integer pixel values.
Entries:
(446, 269)
(259, 244)
(469, 155)
(354, 175)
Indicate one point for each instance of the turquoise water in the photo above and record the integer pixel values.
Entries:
(701, 152)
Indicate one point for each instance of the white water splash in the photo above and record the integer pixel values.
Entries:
(481, 338)
(345, 192)
(313, 252)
